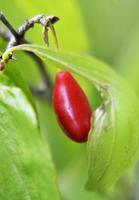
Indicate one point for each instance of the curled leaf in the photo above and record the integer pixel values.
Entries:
(113, 143)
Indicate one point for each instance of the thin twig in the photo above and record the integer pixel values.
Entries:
(8, 25)
(39, 19)
(17, 37)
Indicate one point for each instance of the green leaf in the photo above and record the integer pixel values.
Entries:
(26, 168)
(113, 144)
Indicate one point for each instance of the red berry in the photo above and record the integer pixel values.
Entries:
(71, 107)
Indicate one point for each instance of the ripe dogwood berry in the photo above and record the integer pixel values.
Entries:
(71, 106)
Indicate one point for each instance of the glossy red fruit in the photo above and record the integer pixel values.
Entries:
(71, 107)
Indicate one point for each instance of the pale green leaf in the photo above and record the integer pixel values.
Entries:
(14, 72)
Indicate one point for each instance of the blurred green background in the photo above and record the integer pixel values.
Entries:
(108, 30)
